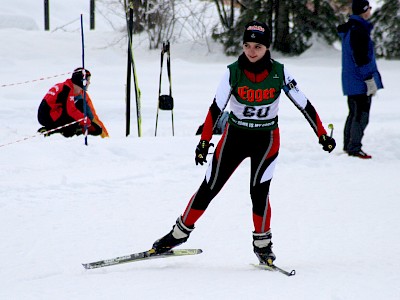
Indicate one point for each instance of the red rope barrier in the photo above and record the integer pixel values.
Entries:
(34, 80)
(42, 133)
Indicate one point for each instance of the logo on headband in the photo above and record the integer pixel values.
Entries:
(256, 27)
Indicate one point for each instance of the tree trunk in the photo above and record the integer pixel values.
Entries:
(281, 41)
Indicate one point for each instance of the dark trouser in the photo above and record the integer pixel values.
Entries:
(357, 121)
(235, 145)
(45, 119)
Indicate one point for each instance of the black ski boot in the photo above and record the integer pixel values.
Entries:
(178, 235)
(262, 247)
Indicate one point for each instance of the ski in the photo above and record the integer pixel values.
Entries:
(274, 268)
(129, 25)
(145, 255)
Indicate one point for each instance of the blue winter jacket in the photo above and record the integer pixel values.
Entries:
(358, 56)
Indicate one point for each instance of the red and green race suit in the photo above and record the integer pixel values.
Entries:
(251, 132)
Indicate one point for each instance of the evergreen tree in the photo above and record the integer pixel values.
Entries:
(297, 21)
(293, 27)
(326, 15)
(249, 11)
(227, 35)
(386, 33)
(281, 28)
(292, 23)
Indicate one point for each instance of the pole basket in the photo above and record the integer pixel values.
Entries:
(165, 102)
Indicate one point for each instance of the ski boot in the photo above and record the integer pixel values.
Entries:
(178, 235)
(262, 247)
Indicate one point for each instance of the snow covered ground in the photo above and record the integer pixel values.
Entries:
(335, 218)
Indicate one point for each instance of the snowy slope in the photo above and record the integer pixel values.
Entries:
(335, 218)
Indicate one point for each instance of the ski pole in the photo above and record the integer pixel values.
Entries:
(330, 126)
(84, 81)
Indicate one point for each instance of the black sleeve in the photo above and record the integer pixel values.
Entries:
(359, 40)
(215, 112)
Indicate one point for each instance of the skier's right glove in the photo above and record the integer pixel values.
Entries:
(202, 151)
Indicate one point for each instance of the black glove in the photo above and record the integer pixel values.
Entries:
(328, 143)
(202, 151)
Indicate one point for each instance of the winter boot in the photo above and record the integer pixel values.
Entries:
(360, 154)
(262, 247)
(178, 235)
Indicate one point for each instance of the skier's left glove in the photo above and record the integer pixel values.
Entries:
(328, 143)
(371, 87)
(202, 151)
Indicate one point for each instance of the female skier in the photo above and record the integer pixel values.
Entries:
(252, 85)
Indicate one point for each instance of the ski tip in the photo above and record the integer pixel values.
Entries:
(89, 266)
(186, 251)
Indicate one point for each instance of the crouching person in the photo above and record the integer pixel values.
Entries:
(64, 104)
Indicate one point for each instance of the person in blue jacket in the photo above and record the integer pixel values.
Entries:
(360, 75)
